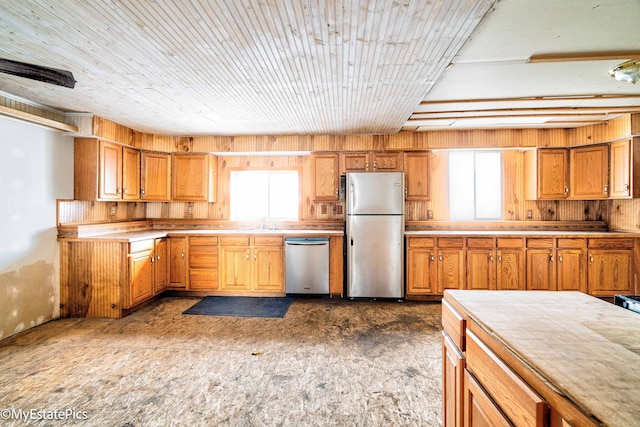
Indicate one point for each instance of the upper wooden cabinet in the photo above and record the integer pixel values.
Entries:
(589, 172)
(417, 167)
(546, 174)
(325, 177)
(193, 177)
(371, 161)
(156, 177)
(105, 171)
(624, 173)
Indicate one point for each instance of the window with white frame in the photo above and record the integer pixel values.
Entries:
(475, 185)
(260, 195)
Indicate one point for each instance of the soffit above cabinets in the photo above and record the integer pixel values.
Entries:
(285, 67)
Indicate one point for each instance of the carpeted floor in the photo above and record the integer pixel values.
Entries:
(328, 362)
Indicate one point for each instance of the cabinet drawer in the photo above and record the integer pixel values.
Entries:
(572, 243)
(203, 279)
(267, 240)
(611, 243)
(509, 243)
(234, 240)
(141, 245)
(540, 243)
(480, 242)
(450, 242)
(518, 401)
(454, 325)
(203, 240)
(421, 242)
(203, 257)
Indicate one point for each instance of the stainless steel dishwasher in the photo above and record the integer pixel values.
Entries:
(307, 265)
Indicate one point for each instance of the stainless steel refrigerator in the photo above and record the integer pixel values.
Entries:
(375, 235)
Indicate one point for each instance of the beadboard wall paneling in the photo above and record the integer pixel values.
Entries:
(624, 215)
(80, 211)
(611, 130)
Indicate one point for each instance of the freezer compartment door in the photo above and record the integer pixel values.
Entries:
(375, 193)
(375, 256)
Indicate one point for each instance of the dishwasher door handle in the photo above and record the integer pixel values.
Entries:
(307, 244)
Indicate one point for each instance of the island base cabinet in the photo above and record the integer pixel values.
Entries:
(480, 410)
(453, 364)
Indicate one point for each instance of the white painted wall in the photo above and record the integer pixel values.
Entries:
(36, 168)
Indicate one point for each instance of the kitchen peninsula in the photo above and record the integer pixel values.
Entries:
(539, 358)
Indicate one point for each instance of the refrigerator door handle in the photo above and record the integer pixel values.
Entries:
(352, 242)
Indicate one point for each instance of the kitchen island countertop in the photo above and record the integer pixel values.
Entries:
(583, 348)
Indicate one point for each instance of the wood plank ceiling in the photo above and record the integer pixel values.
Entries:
(239, 67)
(284, 67)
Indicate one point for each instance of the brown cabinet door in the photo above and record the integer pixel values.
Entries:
(192, 177)
(620, 173)
(450, 269)
(130, 173)
(325, 175)
(177, 262)
(417, 167)
(481, 269)
(354, 162)
(268, 268)
(570, 270)
(161, 265)
(156, 177)
(387, 162)
(609, 272)
(421, 271)
(140, 277)
(590, 172)
(453, 364)
(553, 170)
(510, 270)
(540, 269)
(479, 409)
(110, 183)
(235, 268)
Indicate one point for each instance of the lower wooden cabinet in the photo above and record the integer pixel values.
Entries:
(434, 265)
(203, 263)
(599, 266)
(453, 364)
(148, 271)
(610, 267)
(480, 410)
(177, 262)
(252, 264)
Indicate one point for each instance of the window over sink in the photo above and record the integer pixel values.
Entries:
(264, 195)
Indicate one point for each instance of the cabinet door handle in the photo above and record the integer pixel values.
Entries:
(499, 259)
(255, 255)
(626, 187)
(366, 166)
(182, 254)
(491, 258)
(566, 189)
(375, 166)
(606, 189)
(158, 257)
(440, 257)
(590, 259)
(247, 255)
(119, 190)
(550, 258)
(151, 259)
(142, 193)
(559, 258)
(125, 191)
(431, 258)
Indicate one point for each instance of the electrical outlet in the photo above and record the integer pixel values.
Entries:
(112, 210)
(323, 209)
(429, 214)
(339, 210)
(530, 214)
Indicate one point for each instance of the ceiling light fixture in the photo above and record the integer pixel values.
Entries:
(627, 71)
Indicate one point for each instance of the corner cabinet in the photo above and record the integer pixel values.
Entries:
(148, 271)
(105, 171)
(194, 177)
